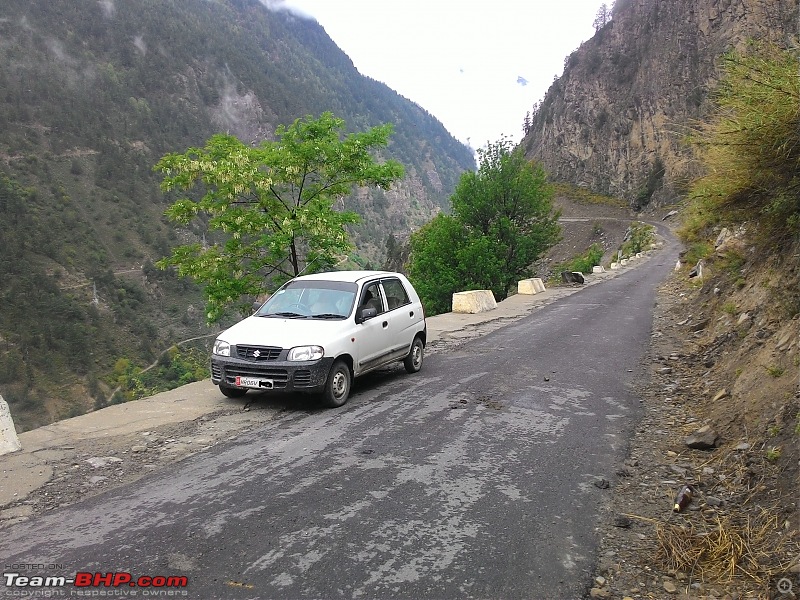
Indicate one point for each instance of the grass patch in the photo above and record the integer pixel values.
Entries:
(698, 251)
(773, 454)
(638, 238)
(775, 370)
(582, 263)
(585, 196)
(729, 308)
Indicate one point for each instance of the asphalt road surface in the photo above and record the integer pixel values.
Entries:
(479, 477)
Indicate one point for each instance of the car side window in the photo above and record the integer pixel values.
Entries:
(396, 294)
(372, 297)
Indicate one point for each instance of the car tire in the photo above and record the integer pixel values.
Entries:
(232, 392)
(337, 386)
(413, 362)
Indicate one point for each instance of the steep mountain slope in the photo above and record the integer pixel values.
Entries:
(92, 94)
(616, 120)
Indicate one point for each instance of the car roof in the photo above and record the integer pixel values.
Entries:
(350, 276)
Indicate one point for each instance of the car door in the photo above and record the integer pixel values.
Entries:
(372, 337)
(402, 316)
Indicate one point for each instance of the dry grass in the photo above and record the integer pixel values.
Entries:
(743, 541)
(723, 549)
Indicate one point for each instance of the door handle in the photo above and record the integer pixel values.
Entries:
(385, 324)
(411, 314)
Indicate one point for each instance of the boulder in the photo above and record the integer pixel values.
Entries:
(704, 438)
(572, 277)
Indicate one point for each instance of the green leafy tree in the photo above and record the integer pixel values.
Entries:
(437, 267)
(503, 220)
(274, 203)
(751, 147)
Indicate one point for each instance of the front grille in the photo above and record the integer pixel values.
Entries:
(279, 377)
(258, 353)
(302, 378)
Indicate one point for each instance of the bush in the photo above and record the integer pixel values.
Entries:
(584, 262)
(637, 239)
(751, 147)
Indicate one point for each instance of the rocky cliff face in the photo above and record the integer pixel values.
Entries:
(615, 121)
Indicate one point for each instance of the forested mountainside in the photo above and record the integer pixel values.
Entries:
(616, 120)
(92, 94)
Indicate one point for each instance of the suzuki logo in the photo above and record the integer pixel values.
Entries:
(257, 353)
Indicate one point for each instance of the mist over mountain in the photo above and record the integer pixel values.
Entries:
(92, 94)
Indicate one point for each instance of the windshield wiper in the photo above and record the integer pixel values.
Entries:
(290, 315)
(328, 316)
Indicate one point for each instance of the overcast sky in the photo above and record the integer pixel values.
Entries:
(478, 67)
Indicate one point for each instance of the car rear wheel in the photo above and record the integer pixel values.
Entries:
(232, 392)
(337, 387)
(413, 362)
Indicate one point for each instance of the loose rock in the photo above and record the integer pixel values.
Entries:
(704, 438)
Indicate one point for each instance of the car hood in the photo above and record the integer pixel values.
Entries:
(282, 332)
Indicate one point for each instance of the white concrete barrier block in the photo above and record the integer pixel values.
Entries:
(614, 266)
(598, 269)
(530, 286)
(474, 301)
(623, 262)
(639, 255)
(9, 442)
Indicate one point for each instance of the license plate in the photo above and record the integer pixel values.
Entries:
(254, 382)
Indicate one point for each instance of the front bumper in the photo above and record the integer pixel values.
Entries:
(286, 376)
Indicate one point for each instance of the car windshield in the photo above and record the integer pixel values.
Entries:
(311, 299)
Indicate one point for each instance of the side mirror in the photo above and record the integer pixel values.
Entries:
(365, 312)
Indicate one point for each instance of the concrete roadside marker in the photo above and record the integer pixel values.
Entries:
(530, 286)
(474, 301)
(9, 442)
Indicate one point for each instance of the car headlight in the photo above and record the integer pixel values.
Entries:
(221, 348)
(306, 353)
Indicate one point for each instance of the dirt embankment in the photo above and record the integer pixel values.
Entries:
(725, 355)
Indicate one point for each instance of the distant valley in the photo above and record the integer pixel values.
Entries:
(93, 94)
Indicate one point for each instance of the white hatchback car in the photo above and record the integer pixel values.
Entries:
(318, 332)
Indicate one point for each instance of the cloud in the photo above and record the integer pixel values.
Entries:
(288, 7)
(522, 81)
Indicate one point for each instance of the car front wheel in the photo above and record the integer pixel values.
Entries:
(337, 387)
(232, 392)
(413, 362)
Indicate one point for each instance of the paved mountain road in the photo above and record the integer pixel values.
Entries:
(479, 477)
